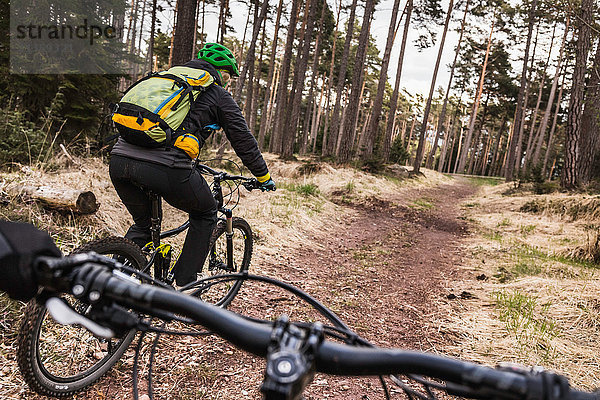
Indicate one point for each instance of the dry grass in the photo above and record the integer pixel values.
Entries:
(533, 303)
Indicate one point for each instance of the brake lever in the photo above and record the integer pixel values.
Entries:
(251, 185)
(65, 315)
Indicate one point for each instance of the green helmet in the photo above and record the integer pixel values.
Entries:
(219, 56)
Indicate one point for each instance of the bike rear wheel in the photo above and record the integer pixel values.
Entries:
(223, 292)
(59, 361)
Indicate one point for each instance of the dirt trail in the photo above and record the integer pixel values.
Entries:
(382, 269)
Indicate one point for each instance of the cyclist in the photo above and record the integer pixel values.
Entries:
(166, 171)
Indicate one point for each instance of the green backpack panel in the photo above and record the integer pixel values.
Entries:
(155, 106)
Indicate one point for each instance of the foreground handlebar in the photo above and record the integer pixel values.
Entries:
(91, 282)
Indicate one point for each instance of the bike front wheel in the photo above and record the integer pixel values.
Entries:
(61, 360)
(224, 258)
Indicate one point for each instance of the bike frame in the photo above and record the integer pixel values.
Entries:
(161, 255)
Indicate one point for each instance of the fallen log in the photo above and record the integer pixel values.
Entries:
(78, 201)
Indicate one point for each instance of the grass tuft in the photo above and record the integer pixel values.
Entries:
(527, 320)
(423, 204)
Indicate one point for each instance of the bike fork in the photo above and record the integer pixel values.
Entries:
(229, 237)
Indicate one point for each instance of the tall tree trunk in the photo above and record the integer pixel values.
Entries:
(590, 124)
(554, 121)
(244, 68)
(357, 79)
(275, 84)
(570, 176)
(517, 126)
(266, 102)
(249, 62)
(496, 149)
(240, 52)
(448, 143)
(459, 150)
(335, 117)
(479, 134)
(482, 161)
(195, 40)
(202, 34)
(314, 132)
(183, 42)
(395, 93)
(429, 162)
(542, 129)
(421, 146)
(254, 103)
(317, 56)
(222, 25)
(152, 33)
(139, 45)
(289, 136)
(367, 141)
(282, 93)
(531, 141)
(467, 144)
(521, 135)
(324, 141)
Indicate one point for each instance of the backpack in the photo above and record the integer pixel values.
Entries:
(154, 107)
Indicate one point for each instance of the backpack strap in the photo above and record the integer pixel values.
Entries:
(133, 110)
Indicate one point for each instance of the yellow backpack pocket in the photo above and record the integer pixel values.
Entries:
(188, 143)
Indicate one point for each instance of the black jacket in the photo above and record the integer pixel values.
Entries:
(214, 106)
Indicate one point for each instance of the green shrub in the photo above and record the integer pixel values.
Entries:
(22, 141)
(310, 189)
(398, 153)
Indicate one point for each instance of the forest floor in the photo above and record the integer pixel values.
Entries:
(402, 262)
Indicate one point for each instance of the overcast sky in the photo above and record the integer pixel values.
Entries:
(418, 65)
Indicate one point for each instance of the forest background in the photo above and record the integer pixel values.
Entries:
(521, 97)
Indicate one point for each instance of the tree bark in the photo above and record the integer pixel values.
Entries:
(317, 56)
(496, 148)
(395, 93)
(542, 130)
(183, 41)
(354, 99)
(517, 126)
(152, 33)
(459, 150)
(531, 141)
(282, 94)
(317, 119)
(590, 124)
(367, 141)
(202, 34)
(325, 137)
(553, 128)
(266, 102)
(467, 143)
(256, 85)
(335, 117)
(429, 162)
(289, 136)
(421, 146)
(570, 174)
(249, 62)
(78, 201)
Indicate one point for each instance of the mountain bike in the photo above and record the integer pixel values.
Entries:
(57, 360)
(294, 351)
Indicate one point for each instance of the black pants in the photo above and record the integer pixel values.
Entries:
(190, 193)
